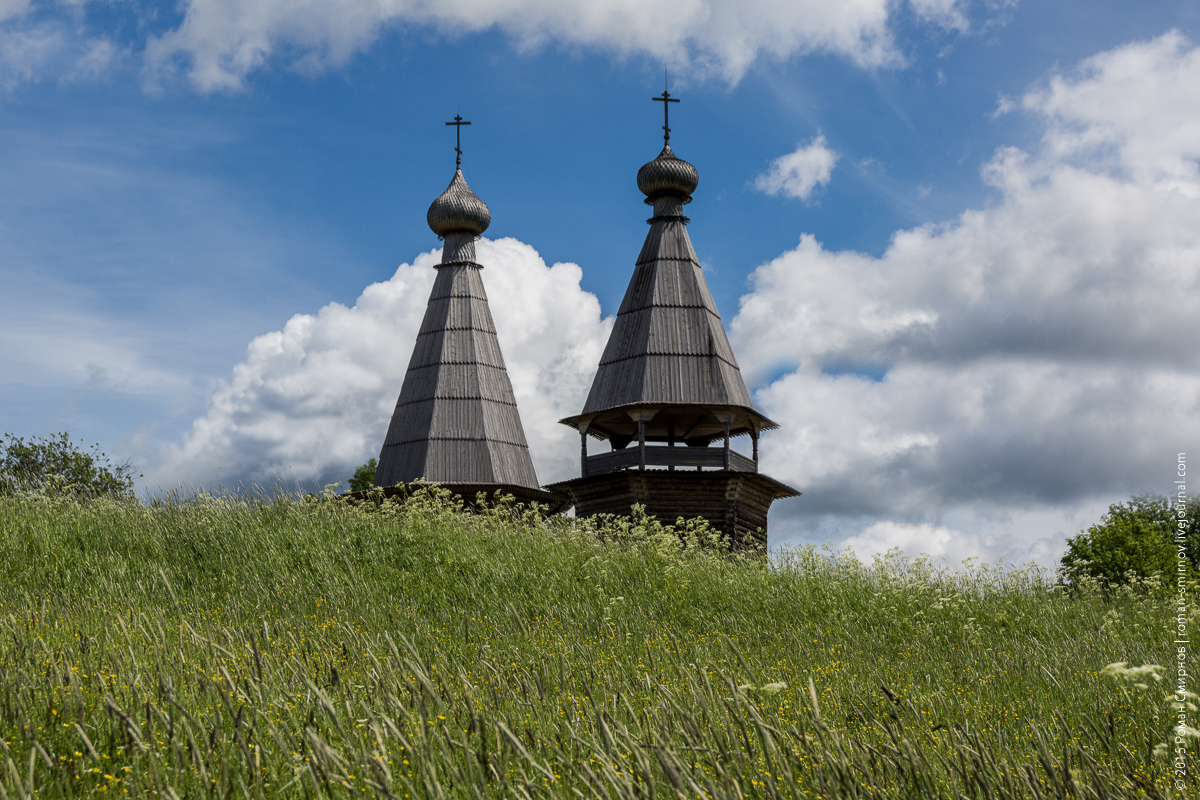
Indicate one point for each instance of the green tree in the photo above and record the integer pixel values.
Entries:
(1137, 537)
(57, 465)
(364, 477)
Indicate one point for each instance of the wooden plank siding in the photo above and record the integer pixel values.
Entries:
(735, 503)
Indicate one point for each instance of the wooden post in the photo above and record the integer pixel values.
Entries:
(754, 439)
(671, 441)
(641, 444)
(583, 452)
(727, 445)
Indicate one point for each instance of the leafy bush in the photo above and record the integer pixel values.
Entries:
(1134, 541)
(364, 477)
(56, 465)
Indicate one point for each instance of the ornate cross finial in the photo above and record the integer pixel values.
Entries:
(666, 99)
(458, 123)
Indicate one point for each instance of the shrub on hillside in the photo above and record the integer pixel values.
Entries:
(640, 531)
(363, 478)
(1134, 541)
(56, 465)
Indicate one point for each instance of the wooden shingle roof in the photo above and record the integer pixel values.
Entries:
(668, 345)
(456, 421)
(668, 351)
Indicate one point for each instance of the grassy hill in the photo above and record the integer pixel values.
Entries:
(212, 648)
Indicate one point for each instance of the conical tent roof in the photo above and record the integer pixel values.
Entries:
(668, 375)
(456, 420)
(668, 345)
(668, 350)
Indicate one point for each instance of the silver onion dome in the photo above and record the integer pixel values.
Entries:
(667, 174)
(458, 210)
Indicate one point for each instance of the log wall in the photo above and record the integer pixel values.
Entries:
(735, 503)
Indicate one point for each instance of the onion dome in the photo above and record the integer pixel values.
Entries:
(458, 210)
(667, 174)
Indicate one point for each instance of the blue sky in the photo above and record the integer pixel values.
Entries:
(179, 179)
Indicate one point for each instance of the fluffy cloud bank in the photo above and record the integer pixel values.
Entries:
(220, 42)
(217, 44)
(1039, 354)
(1131, 111)
(313, 401)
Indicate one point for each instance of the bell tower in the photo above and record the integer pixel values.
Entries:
(668, 395)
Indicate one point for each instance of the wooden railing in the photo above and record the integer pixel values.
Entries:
(678, 457)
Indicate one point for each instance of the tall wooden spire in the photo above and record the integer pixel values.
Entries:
(668, 375)
(456, 421)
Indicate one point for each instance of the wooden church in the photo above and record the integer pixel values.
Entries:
(668, 395)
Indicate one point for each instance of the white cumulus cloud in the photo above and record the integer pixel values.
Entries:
(217, 44)
(1035, 355)
(1133, 109)
(220, 42)
(313, 400)
(800, 172)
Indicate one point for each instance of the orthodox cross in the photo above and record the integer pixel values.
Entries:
(666, 99)
(458, 123)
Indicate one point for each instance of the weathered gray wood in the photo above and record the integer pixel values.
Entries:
(668, 346)
(668, 374)
(456, 420)
(735, 503)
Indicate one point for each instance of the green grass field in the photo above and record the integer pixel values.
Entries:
(214, 648)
